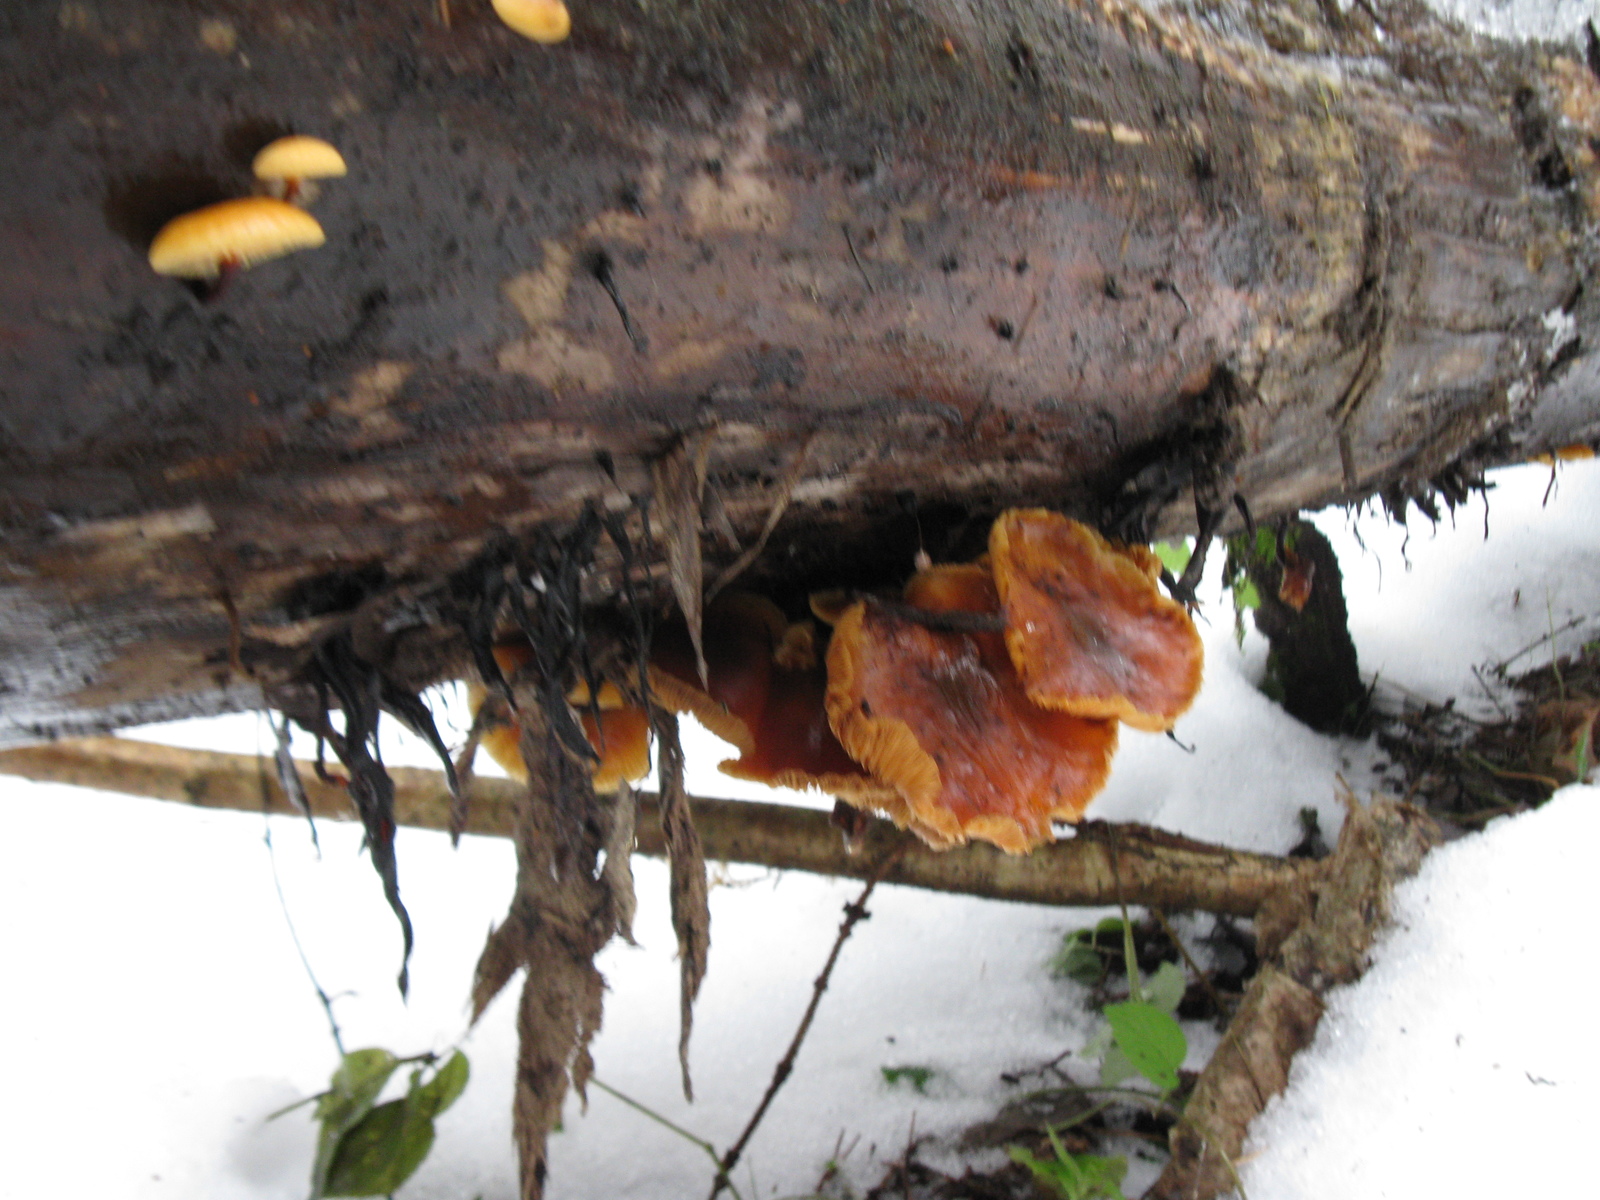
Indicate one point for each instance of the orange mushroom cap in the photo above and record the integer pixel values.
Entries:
(740, 633)
(620, 736)
(1088, 628)
(943, 717)
(298, 157)
(544, 21)
(240, 232)
(792, 744)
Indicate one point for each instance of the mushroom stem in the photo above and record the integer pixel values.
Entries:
(211, 290)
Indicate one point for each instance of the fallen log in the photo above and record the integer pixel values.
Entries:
(959, 257)
(1097, 866)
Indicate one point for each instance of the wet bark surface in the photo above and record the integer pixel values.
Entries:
(1075, 255)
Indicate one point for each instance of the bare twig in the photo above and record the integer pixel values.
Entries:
(1157, 869)
(780, 504)
(1539, 641)
(1205, 979)
(854, 912)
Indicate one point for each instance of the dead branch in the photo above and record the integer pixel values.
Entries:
(854, 913)
(1315, 934)
(1157, 869)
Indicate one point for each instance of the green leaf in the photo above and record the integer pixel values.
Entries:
(1086, 954)
(1079, 959)
(1165, 988)
(1245, 594)
(381, 1152)
(1075, 1176)
(1174, 556)
(352, 1090)
(1097, 1046)
(917, 1077)
(1151, 1039)
(446, 1086)
(1266, 545)
(1115, 1068)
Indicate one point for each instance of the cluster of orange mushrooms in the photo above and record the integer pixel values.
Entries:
(214, 242)
(211, 243)
(983, 704)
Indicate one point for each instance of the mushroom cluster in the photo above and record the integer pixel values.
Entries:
(982, 703)
(214, 242)
(993, 727)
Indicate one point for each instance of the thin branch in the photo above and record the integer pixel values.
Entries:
(663, 1121)
(272, 859)
(1183, 952)
(853, 913)
(1157, 869)
(780, 505)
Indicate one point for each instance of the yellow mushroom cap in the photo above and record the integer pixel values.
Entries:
(545, 21)
(298, 157)
(247, 231)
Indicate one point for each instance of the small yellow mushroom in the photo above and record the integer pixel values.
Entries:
(285, 165)
(217, 240)
(544, 21)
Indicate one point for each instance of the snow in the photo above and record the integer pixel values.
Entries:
(1458, 1064)
(158, 1008)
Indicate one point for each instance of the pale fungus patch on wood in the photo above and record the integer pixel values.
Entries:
(1123, 135)
(735, 197)
(218, 36)
(547, 354)
(556, 361)
(615, 224)
(192, 521)
(367, 401)
(688, 355)
(540, 295)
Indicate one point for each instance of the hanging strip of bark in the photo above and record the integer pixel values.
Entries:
(1313, 935)
(563, 913)
(1157, 869)
(679, 480)
(691, 912)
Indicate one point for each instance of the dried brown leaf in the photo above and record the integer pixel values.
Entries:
(565, 911)
(617, 874)
(691, 912)
(559, 1015)
(679, 481)
(503, 954)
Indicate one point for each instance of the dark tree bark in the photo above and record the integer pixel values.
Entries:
(958, 257)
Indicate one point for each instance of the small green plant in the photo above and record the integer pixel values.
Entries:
(1245, 551)
(1075, 1176)
(1087, 956)
(369, 1149)
(917, 1077)
(1175, 556)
